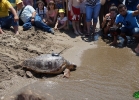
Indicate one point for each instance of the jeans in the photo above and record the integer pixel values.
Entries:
(92, 12)
(130, 32)
(8, 21)
(38, 23)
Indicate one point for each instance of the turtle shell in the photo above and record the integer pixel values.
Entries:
(46, 63)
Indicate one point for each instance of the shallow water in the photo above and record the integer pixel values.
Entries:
(106, 73)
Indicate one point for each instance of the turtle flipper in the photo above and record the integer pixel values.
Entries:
(66, 73)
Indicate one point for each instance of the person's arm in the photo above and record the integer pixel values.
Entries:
(55, 17)
(70, 7)
(106, 21)
(14, 13)
(56, 25)
(136, 12)
(33, 16)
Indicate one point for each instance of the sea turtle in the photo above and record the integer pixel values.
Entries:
(49, 64)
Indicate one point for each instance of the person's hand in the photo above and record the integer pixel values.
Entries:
(32, 21)
(72, 13)
(44, 20)
(16, 18)
(55, 28)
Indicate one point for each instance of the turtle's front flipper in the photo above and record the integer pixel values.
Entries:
(66, 73)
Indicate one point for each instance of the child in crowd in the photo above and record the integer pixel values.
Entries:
(74, 15)
(51, 14)
(82, 14)
(61, 21)
(41, 10)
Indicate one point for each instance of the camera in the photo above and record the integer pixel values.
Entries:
(108, 18)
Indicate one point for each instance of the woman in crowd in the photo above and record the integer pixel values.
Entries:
(92, 12)
(52, 13)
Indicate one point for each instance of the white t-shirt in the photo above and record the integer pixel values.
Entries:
(26, 13)
(42, 13)
(61, 21)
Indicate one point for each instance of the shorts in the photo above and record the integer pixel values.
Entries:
(76, 15)
(130, 32)
(8, 21)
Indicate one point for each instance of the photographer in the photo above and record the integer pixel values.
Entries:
(109, 20)
(130, 25)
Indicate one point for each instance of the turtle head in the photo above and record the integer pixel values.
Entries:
(72, 67)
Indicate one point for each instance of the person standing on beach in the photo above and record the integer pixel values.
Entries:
(74, 15)
(92, 12)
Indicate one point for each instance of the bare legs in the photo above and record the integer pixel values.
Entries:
(1, 32)
(137, 49)
(16, 30)
(88, 27)
(76, 27)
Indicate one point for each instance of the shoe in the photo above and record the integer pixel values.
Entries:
(76, 33)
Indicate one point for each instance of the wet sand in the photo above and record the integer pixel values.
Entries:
(103, 73)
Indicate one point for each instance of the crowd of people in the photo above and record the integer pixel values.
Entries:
(121, 20)
(115, 18)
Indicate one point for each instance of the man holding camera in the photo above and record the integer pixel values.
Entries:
(109, 20)
(130, 25)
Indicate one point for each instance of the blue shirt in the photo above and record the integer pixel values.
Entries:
(129, 21)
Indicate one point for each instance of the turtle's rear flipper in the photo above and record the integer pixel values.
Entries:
(66, 73)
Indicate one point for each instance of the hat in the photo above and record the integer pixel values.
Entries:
(40, 1)
(18, 1)
(61, 11)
